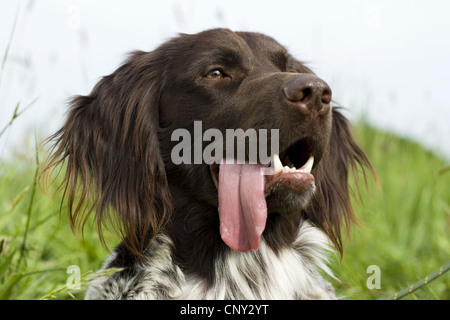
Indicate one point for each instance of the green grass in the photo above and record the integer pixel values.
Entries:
(405, 225)
(405, 228)
(37, 244)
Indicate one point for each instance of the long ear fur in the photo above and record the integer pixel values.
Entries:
(331, 206)
(110, 143)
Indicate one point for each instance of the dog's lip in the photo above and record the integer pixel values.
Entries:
(296, 177)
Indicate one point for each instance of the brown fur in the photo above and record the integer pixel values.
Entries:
(116, 144)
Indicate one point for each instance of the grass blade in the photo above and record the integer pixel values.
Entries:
(11, 36)
(5, 289)
(421, 283)
(6, 263)
(16, 114)
(30, 208)
(85, 280)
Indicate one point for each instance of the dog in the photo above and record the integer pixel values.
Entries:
(222, 229)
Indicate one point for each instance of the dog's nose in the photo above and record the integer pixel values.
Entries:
(309, 93)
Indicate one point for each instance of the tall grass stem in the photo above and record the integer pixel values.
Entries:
(30, 208)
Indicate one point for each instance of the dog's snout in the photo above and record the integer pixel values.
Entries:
(308, 93)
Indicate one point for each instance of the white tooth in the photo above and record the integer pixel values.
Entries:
(276, 163)
(308, 165)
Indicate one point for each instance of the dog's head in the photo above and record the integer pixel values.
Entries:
(162, 133)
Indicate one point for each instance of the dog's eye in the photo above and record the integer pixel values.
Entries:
(215, 74)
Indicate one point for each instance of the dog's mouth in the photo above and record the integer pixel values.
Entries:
(293, 165)
(297, 158)
(248, 192)
(298, 154)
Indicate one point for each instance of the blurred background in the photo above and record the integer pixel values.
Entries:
(388, 63)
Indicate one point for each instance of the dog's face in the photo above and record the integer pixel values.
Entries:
(119, 142)
(246, 81)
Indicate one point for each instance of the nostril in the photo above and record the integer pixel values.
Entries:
(294, 93)
(306, 94)
(326, 96)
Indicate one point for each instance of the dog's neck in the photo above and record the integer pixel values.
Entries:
(290, 274)
(198, 244)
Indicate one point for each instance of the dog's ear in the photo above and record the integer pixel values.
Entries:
(331, 207)
(110, 143)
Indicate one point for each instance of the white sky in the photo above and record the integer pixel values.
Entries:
(388, 60)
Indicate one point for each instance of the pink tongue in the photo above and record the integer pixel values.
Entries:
(242, 205)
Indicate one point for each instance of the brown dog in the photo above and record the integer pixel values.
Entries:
(221, 229)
